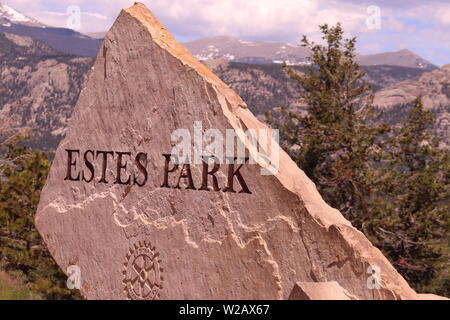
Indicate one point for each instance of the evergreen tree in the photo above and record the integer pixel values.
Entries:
(392, 184)
(23, 253)
(335, 141)
(410, 218)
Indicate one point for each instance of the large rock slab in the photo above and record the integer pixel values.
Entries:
(106, 207)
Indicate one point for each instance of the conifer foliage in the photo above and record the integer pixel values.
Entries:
(392, 183)
(23, 253)
(410, 217)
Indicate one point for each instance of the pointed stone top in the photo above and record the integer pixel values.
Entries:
(165, 40)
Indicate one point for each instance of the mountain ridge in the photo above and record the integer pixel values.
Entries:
(61, 39)
(237, 50)
(10, 16)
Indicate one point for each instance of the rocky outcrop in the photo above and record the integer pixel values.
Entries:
(433, 87)
(108, 209)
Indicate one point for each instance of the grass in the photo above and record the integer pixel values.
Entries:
(11, 289)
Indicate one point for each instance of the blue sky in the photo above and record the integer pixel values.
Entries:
(421, 26)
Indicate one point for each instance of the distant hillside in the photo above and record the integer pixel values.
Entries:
(265, 87)
(40, 87)
(61, 39)
(402, 58)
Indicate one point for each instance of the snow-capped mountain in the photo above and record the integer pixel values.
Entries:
(61, 39)
(233, 49)
(10, 16)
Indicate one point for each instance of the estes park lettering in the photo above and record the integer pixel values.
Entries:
(81, 167)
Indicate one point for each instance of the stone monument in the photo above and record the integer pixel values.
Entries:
(139, 223)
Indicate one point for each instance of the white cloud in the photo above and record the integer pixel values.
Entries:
(252, 17)
(264, 19)
(95, 15)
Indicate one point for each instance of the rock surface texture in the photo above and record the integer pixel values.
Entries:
(149, 242)
(320, 291)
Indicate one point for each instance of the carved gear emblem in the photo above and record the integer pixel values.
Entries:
(142, 271)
